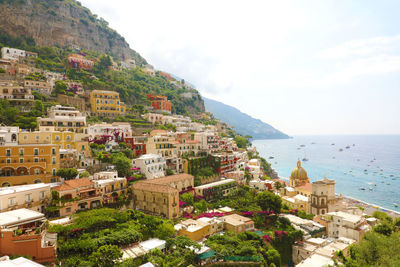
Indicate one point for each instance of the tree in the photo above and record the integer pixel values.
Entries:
(201, 206)
(165, 230)
(67, 173)
(384, 228)
(122, 164)
(84, 174)
(106, 256)
(272, 256)
(269, 202)
(187, 198)
(60, 87)
(169, 172)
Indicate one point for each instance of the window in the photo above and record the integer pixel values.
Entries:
(57, 138)
(53, 151)
(21, 151)
(37, 171)
(8, 152)
(37, 137)
(54, 172)
(12, 201)
(36, 160)
(28, 197)
(21, 160)
(8, 160)
(68, 210)
(36, 151)
(69, 137)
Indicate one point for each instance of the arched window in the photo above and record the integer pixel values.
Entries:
(37, 181)
(5, 184)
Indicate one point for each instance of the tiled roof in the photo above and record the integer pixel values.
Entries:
(149, 186)
(73, 184)
(172, 178)
(307, 187)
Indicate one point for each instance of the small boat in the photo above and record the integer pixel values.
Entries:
(313, 143)
(391, 175)
(370, 189)
(382, 182)
(354, 144)
(345, 173)
(332, 144)
(333, 157)
(365, 170)
(341, 149)
(395, 204)
(388, 183)
(298, 148)
(381, 170)
(362, 188)
(347, 147)
(358, 159)
(305, 159)
(350, 171)
(302, 145)
(271, 157)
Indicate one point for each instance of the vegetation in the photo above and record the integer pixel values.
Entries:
(67, 173)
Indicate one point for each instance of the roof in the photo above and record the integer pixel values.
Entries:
(235, 219)
(19, 216)
(22, 188)
(172, 178)
(346, 216)
(19, 262)
(316, 261)
(206, 255)
(104, 91)
(305, 187)
(226, 181)
(73, 184)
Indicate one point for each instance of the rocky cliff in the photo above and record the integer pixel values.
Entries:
(63, 23)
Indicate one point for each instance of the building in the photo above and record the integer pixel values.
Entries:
(216, 190)
(77, 194)
(151, 165)
(318, 252)
(149, 70)
(42, 87)
(161, 196)
(308, 227)
(323, 198)
(160, 103)
(208, 141)
(196, 230)
(298, 202)
(227, 162)
(17, 96)
(63, 118)
(298, 176)
(23, 232)
(137, 144)
(33, 196)
(12, 53)
(142, 248)
(342, 224)
(79, 62)
(254, 168)
(106, 103)
(28, 163)
(237, 223)
(116, 130)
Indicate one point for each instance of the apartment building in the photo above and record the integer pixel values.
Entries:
(227, 162)
(117, 130)
(78, 194)
(33, 196)
(80, 62)
(342, 224)
(216, 190)
(161, 196)
(151, 165)
(17, 96)
(160, 103)
(42, 87)
(137, 144)
(12, 53)
(23, 232)
(106, 103)
(208, 141)
(237, 223)
(323, 198)
(63, 118)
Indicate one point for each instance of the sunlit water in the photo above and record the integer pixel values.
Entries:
(372, 159)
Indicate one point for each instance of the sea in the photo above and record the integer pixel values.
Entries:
(355, 162)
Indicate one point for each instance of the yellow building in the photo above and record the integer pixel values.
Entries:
(299, 176)
(28, 163)
(106, 103)
(196, 230)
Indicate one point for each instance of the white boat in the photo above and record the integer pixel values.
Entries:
(370, 189)
(395, 204)
(388, 183)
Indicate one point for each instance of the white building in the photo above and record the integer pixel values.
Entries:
(9, 135)
(208, 141)
(342, 224)
(12, 53)
(31, 196)
(151, 165)
(18, 262)
(119, 129)
(105, 175)
(254, 168)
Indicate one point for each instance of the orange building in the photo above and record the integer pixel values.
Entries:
(160, 103)
(23, 232)
(80, 62)
(77, 194)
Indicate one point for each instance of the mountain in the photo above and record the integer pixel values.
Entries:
(242, 123)
(63, 23)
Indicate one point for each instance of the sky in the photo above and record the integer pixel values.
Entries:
(305, 67)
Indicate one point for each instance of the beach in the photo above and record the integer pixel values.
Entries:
(369, 208)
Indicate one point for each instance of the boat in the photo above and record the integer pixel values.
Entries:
(332, 144)
(362, 188)
(341, 149)
(371, 183)
(382, 182)
(313, 143)
(350, 171)
(370, 189)
(345, 173)
(302, 145)
(391, 175)
(298, 148)
(271, 157)
(388, 183)
(305, 159)
(347, 147)
(365, 170)
(333, 157)
(354, 144)
(395, 204)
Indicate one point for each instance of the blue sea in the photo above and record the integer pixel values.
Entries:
(368, 160)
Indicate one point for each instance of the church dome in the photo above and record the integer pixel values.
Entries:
(299, 173)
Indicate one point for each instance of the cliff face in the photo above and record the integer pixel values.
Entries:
(63, 23)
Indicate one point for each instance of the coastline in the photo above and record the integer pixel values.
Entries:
(369, 208)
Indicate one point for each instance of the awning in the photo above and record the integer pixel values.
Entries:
(206, 255)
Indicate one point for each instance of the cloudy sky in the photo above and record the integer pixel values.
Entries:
(305, 67)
